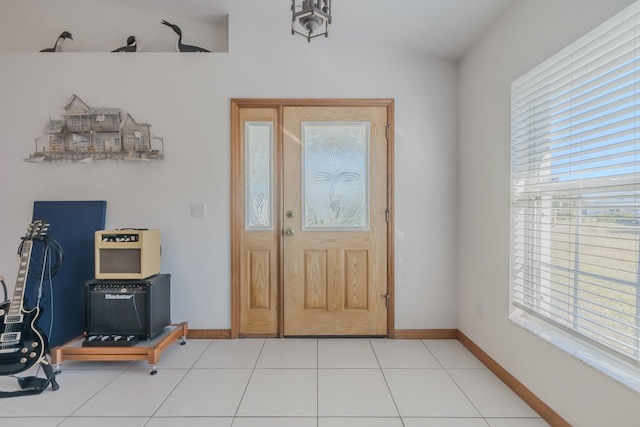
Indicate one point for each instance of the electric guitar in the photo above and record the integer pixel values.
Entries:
(22, 344)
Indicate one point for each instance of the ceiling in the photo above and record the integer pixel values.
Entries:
(444, 28)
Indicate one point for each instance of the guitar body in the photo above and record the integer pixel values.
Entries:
(22, 344)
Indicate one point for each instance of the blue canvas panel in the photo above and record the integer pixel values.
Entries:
(72, 225)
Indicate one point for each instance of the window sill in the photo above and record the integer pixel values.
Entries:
(615, 368)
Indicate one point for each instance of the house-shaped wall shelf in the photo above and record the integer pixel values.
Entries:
(85, 134)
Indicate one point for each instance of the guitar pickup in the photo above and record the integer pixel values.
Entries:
(8, 337)
(13, 319)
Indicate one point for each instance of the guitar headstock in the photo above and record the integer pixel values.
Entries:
(35, 230)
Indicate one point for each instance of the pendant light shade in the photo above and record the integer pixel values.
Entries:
(310, 18)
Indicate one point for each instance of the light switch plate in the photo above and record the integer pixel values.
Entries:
(198, 209)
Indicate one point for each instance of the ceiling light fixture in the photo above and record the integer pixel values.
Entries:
(312, 20)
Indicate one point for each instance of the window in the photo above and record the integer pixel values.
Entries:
(575, 207)
(259, 169)
(335, 170)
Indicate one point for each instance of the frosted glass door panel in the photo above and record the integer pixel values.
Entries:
(259, 148)
(335, 168)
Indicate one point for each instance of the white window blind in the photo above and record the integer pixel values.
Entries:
(575, 172)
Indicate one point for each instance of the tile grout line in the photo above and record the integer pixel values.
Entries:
(465, 394)
(188, 370)
(97, 392)
(446, 370)
(202, 354)
(433, 354)
(395, 404)
(244, 392)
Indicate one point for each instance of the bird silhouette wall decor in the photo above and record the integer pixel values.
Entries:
(57, 47)
(180, 47)
(132, 45)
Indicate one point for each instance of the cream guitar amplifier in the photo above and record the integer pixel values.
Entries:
(127, 253)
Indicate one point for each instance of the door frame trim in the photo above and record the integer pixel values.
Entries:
(237, 215)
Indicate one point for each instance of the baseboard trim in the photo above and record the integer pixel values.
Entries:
(545, 412)
(209, 334)
(424, 334)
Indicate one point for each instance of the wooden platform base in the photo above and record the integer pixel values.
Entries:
(149, 350)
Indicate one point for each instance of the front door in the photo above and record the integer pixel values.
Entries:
(311, 224)
(335, 226)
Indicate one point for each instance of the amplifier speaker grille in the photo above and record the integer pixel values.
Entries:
(120, 261)
(128, 307)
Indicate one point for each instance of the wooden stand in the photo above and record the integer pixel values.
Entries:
(149, 350)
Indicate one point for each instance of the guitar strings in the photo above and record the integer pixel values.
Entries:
(39, 292)
(14, 327)
(51, 305)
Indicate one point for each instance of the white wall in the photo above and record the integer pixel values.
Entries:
(185, 97)
(530, 32)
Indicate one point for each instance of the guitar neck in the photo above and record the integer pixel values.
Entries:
(16, 304)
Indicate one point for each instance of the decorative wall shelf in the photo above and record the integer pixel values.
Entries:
(106, 25)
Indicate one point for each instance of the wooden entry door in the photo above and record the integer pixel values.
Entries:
(311, 222)
(335, 222)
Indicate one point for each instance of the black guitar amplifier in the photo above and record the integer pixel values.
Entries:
(140, 307)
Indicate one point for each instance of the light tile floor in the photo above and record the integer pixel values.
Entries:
(279, 383)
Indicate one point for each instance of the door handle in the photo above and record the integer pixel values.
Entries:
(289, 231)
